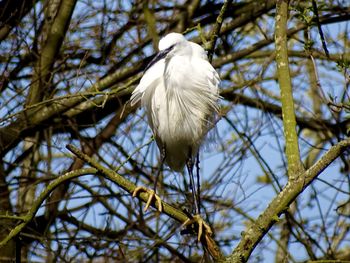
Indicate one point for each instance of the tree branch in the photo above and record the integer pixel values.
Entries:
(167, 209)
(257, 230)
(54, 36)
(288, 114)
(38, 202)
(216, 30)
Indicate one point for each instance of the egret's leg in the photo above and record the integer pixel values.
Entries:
(152, 193)
(198, 184)
(203, 227)
(189, 165)
(162, 156)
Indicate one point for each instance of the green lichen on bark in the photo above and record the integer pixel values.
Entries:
(288, 114)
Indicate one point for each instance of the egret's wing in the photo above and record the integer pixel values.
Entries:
(206, 73)
(207, 80)
(149, 78)
(198, 51)
(154, 100)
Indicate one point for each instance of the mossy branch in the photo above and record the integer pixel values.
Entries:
(38, 202)
(216, 30)
(288, 114)
(257, 230)
(128, 186)
(51, 47)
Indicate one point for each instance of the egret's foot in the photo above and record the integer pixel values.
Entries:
(202, 225)
(151, 195)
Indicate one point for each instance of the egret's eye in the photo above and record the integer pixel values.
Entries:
(167, 50)
(160, 55)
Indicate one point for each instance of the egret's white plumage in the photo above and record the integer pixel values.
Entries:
(179, 91)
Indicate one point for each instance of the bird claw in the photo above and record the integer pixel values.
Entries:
(202, 225)
(151, 195)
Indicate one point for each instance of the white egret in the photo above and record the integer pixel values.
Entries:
(179, 90)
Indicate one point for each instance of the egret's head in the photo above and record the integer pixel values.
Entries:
(171, 40)
(174, 44)
(170, 45)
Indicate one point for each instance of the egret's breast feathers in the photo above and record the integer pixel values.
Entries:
(150, 80)
(189, 100)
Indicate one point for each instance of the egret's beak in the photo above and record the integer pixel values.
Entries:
(160, 55)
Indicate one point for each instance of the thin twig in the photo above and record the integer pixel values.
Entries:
(324, 45)
(216, 30)
(38, 202)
